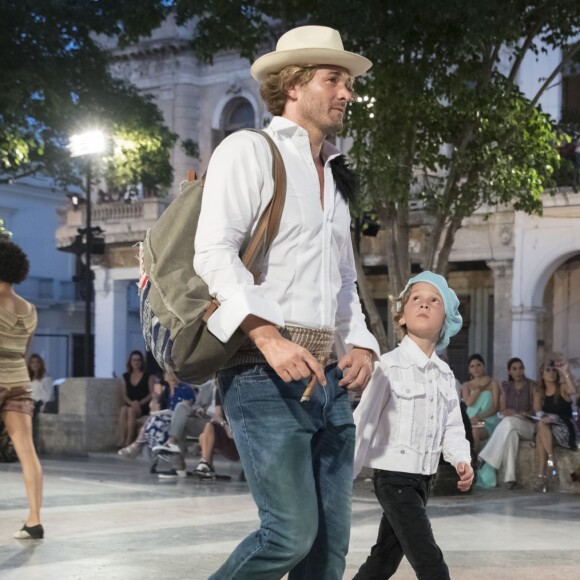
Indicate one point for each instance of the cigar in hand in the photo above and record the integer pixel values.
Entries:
(312, 383)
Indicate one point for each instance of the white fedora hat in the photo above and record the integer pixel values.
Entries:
(307, 46)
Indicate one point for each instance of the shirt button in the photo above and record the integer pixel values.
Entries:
(402, 452)
(408, 390)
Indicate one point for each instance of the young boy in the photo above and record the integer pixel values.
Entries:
(408, 414)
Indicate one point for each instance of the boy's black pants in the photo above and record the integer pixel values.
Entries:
(405, 529)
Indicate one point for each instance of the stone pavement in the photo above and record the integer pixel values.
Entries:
(108, 518)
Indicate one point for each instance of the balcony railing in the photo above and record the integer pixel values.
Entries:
(116, 211)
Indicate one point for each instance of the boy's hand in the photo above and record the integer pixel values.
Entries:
(465, 472)
(357, 367)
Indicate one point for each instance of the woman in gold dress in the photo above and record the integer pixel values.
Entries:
(17, 323)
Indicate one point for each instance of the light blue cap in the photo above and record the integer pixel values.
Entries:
(453, 320)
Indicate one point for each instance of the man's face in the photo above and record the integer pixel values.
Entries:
(322, 102)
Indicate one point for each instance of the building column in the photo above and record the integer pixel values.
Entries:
(561, 307)
(110, 324)
(525, 336)
(502, 316)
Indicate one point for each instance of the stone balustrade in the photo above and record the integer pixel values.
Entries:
(87, 418)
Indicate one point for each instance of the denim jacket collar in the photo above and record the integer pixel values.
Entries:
(414, 356)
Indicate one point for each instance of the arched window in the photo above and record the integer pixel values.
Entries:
(237, 114)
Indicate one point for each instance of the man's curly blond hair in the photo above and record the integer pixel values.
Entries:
(275, 86)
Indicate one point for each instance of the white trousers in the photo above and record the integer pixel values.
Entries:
(502, 446)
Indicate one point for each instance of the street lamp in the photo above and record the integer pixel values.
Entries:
(87, 145)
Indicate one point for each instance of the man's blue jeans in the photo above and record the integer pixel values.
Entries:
(298, 460)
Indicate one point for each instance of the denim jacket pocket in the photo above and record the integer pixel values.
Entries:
(409, 392)
(447, 389)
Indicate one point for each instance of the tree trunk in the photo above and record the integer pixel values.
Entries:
(442, 266)
(397, 251)
(375, 321)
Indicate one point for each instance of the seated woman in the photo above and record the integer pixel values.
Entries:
(515, 406)
(40, 382)
(481, 395)
(136, 387)
(216, 435)
(553, 406)
(42, 391)
(155, 431)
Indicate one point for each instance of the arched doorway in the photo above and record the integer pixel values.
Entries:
(546, 287)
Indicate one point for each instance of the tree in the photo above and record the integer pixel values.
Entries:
(444, 121)
(448, 125)
(4, 233)
(55, 81)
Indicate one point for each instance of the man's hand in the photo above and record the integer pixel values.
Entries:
(290, 361)
(357, 367)
(508, 413)
(465, 472)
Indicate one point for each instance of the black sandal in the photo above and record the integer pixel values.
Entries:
(30, 533)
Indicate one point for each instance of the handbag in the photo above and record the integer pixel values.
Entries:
(486, 477)
(174, 301)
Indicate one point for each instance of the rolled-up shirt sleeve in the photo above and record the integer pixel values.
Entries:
(351, 327)
(238, 184)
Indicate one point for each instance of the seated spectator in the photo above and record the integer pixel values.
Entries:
(515, 407)
(216, 436)
(40, 382)
(190, 420)
(555, 427)
(481, 395)
(42, 391)
(166, 396)
(137, 387)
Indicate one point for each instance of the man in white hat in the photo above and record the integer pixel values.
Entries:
(304, 318)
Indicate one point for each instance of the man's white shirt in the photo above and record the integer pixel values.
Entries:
(308, 278)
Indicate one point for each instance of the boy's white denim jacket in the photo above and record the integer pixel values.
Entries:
(409, 414)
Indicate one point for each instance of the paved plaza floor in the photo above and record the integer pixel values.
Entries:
(108, 518)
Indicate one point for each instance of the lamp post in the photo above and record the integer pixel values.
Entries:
(87, 145)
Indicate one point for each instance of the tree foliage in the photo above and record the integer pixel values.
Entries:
(55, 81)
(444, 121)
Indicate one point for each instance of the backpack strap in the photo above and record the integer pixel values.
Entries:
(269, 222)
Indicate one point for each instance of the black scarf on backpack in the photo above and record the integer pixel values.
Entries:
(347, 181)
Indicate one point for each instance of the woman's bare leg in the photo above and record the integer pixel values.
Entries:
(19, 428)
(479, 434)
(132, 417)
(543, 446)
(207, 443)
(122, 426)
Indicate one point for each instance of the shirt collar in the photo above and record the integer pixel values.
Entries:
(286, 128)
(413, 353)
